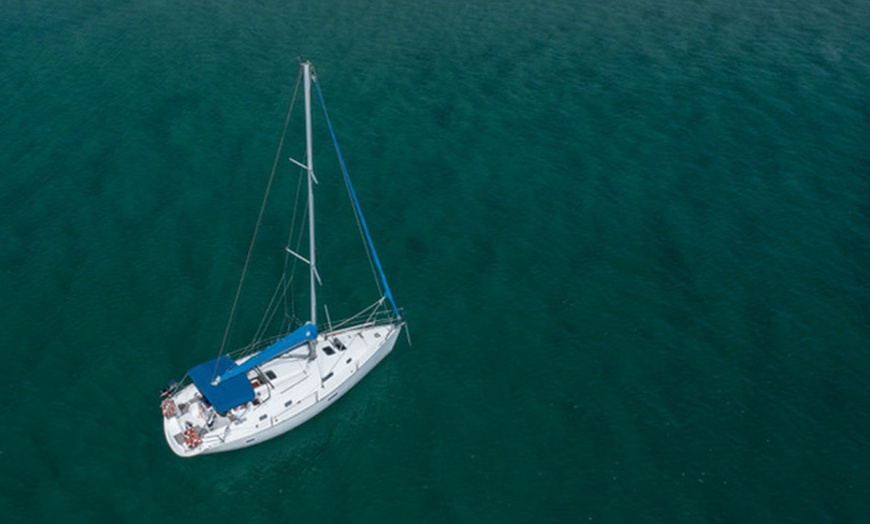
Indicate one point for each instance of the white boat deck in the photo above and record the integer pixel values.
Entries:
(289, 390)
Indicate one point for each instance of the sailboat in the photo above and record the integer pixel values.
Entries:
(231, 403)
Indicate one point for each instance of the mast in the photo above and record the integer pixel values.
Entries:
(306, 68)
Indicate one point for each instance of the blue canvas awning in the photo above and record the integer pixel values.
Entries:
(229, 393)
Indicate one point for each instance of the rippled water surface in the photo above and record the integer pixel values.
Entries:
(631, 240)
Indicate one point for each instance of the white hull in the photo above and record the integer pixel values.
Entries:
(290, 390)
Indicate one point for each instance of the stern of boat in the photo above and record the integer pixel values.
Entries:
(184, 422)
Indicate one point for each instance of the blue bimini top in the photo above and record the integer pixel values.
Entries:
(229, 393)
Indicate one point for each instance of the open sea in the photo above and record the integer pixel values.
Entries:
(631, 240)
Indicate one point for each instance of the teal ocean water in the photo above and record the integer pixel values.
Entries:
(632, 241)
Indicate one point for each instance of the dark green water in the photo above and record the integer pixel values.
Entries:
(632, 241)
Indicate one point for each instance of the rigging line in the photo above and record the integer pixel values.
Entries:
(279, 296)
(362, 236)
(373, 308)
(270, 312)
(290, 236)
(371, 245)
(293, 220)
(257, 227)
(283, 286)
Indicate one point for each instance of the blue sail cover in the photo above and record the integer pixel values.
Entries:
(234, 388)
(229, 393)
(306, 332)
